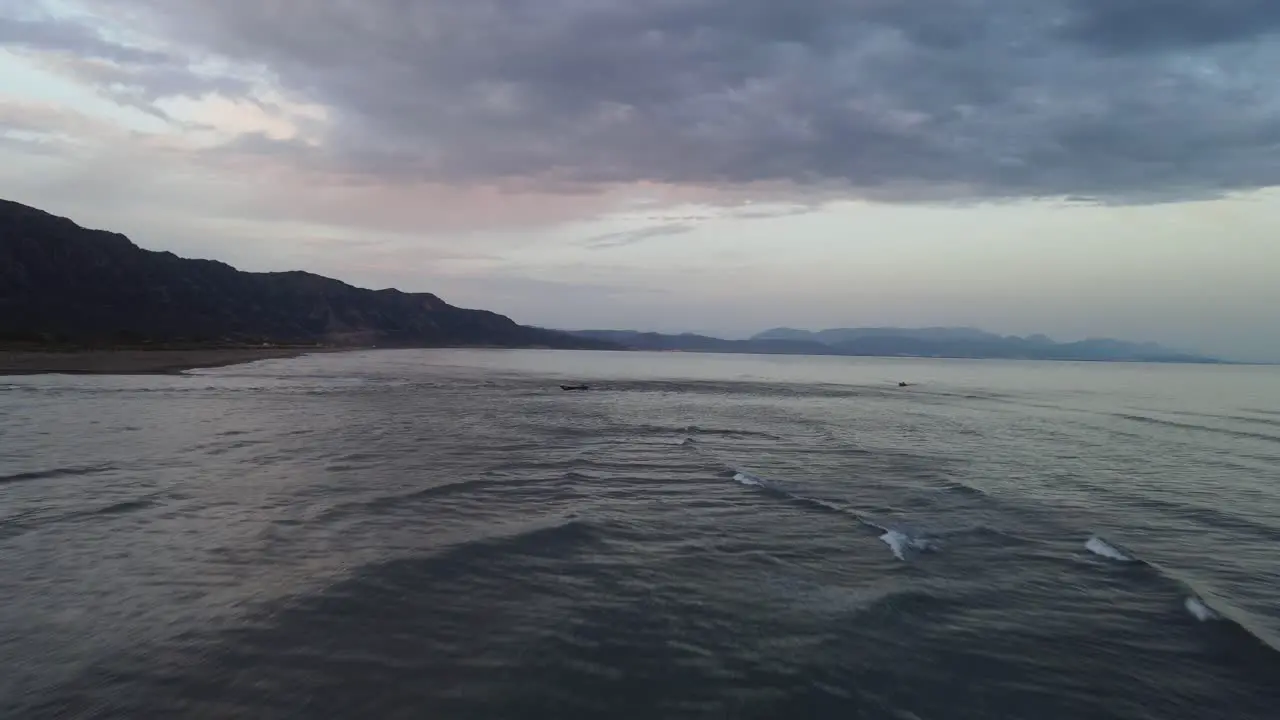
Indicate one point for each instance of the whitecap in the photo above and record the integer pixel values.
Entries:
(1199, 610)
(748, 479)
(903, 544)
(1098, 546)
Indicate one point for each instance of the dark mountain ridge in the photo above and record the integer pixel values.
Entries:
(62, 283)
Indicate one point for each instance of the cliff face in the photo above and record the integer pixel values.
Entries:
(62, 282)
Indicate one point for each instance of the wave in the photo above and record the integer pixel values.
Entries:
(904, 545)
(1005, 537)
(120, 508)
(1196, 600)
(1208, 517)
(33, 520)
(536, 540)
(960, 488)
(1240, 434)
(1200, 610)
(753, 388)
(903, 542)
(1100, 547)
(1232, 417)
(771, 489)
(879, 602)
(444, 490)
(217, 448)
(728, 432)
(555, 538)
(348, 462)
(55, 473)
(453, 488)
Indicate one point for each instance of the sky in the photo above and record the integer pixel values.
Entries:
(1080, 168)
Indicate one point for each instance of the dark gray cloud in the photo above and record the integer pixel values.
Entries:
(631, 237)
(1142, 25)
(1124, 100)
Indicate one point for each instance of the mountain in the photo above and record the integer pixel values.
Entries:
(836, 336)
(785, 333)
(62, 283)
(904, 342)
(689, 342)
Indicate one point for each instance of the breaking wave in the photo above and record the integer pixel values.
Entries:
(1102, 548)
(1195, 598)
(1199, 610)
(904, 545)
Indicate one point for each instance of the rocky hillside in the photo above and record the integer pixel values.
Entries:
(62, 283)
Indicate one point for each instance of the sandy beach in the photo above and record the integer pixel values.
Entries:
(133, 362)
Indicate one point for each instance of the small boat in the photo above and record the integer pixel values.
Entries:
(904, 384)
(575, 387)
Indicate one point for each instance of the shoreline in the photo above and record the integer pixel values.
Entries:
(175, 361)
(14, 362)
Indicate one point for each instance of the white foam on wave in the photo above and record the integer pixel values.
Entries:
(1098, 546)
(902, 541)
(824, 503)
(1199, 610)
(903, 544)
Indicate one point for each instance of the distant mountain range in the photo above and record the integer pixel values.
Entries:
(939, 342)
(63, 284)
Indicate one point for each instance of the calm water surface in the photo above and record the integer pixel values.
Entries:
(446, 534)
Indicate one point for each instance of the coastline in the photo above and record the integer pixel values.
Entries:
(173, 361)
(136, 362)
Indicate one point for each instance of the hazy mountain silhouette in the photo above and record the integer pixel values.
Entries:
(942, 342)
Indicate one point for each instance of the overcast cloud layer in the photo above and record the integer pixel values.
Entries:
(939, 99)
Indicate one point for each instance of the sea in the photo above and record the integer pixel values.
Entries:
(448, 534)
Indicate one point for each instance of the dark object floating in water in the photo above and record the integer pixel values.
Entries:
(904, 384)
(575, 387)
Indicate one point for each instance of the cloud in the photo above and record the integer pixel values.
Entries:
(57, 36)
(631, 237)
(1144, 25)
(764, 213)
(882, 99)
(132, 76)
(682, 218)
(46, 119)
